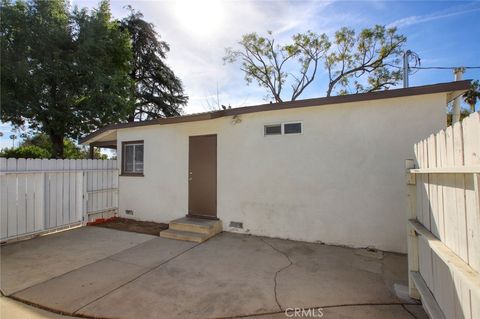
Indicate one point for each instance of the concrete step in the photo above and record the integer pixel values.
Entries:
(185, 235)
(197, 225)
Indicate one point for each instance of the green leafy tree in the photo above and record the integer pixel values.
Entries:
(71, 150)
(158, 91)
(264, 61)
(368, 61)
(29, 151)
(472, 95)
(373, 55)
(63, 72)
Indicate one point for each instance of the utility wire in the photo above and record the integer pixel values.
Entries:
(443, 67)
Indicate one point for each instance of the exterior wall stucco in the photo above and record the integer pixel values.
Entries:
(340, 182)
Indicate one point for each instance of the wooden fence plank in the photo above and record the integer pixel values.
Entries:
(462, 298)
(3, 200)
(104, 165)
(21, 197)
(433, 187)
(471, 133)
(30, 197)
(425, 262)
(454, 218)
(49, 197)
(71, 192)
(460, 191)
(12, 198)
(39, 196)
(443, 289)
(441, 162)
(66, 193)
(115, 185)
(426, 189)
(90, 185)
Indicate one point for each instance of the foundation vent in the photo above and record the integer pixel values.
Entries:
(236, 225)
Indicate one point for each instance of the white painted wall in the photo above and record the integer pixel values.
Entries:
(340, 182)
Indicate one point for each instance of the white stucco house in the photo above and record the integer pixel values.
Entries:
(320, 170)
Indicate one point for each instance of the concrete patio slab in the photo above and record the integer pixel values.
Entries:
(232, 275)
(79, 287)
(76, 289)
(11, 309)
(331, 275)
(229, 275)
(26, 263)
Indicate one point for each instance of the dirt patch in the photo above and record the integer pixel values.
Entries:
(132, 225)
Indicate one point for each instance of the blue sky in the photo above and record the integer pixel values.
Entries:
(442, 33)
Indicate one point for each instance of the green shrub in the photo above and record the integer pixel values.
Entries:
(29, 151)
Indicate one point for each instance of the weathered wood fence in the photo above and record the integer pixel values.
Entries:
(444, 221)
(44, 195)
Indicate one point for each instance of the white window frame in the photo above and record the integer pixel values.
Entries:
(282, 128)
(292, 122)
(271, 125)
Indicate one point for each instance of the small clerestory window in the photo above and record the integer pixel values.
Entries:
(292, 128)
(275, 129)
(283, 128)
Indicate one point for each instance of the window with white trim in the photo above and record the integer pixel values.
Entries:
(132, 158)
(292, 128)
(283, 128)
(275, 129)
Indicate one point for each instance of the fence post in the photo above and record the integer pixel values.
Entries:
(412, 240)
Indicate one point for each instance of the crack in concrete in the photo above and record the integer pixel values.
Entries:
(290, 262)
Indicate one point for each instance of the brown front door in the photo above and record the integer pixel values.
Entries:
(202, 176)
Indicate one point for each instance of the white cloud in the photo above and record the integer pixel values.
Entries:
(199, 31)
(417, 19)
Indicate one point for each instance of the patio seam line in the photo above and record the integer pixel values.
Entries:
(140, 275)
(278, 271)
(55, 277)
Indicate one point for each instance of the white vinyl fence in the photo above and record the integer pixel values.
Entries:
(444, 221)
(43, 195)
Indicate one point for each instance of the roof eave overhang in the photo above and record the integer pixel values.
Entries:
(451, 89)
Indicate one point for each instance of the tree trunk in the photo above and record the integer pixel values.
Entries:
(57, 144)
(331, 85)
